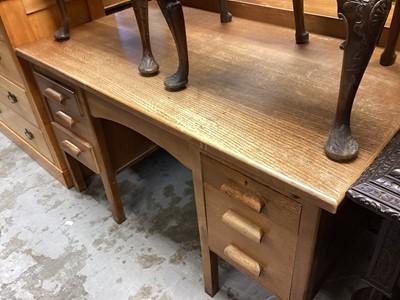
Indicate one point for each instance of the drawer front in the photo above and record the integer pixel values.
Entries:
(16, 99)
(64, 106)
(30, 133)
(76, 147)
(8, 63)
(251, 226)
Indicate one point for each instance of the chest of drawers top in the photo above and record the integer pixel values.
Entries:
(255, 99)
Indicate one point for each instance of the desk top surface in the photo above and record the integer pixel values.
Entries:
(254, 98)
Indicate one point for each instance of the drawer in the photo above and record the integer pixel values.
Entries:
(64, 106)
(30, 133)
(16, 99)
(8, 63)
(251, 226)
(76, 147)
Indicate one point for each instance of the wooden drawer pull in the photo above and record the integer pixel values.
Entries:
(249, 199)
(243, 260)
(71, 148)
(243, 226)
(54, 95)
(65, 119)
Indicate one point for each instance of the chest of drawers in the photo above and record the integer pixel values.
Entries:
(23, 118)
(18, 115)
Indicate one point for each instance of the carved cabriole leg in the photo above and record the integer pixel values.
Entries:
(302, 35)
(148, 66)
(365, 20)
(62, 33)
(388, 56)
(173, 13)
(225, 15)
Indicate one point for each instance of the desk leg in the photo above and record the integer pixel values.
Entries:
(173, 14)
(63, 32)
(76, 172)
(107, 173)
(388, 56)
(302, 35)
(365, 20)
(208, 258)
(147, 66)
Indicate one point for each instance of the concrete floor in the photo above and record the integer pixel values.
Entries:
(57, 243)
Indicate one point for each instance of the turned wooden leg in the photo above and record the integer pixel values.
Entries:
(173, 13)
(147, 66)
(225, 15)
(302, 35)
(62, 33)
(365, 20)
(389, 55)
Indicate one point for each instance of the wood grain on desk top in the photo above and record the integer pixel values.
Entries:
(255, 98)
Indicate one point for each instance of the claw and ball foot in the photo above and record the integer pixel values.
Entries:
(62, 33)
(365, 20)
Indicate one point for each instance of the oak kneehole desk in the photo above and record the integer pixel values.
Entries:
(250, 126)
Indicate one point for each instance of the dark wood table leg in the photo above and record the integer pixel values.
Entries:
(389, 55)
(148, 65)
(62, 33)
(225, 15)
(365, 20)
(384, 267)
(173, 14)
(302, 35)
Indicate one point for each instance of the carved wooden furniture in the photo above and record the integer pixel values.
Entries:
(249, 128)
(22, 115)
(389, 55)
(365, 21)
(378, 189)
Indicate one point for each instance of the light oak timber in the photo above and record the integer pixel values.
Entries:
(256, 102)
